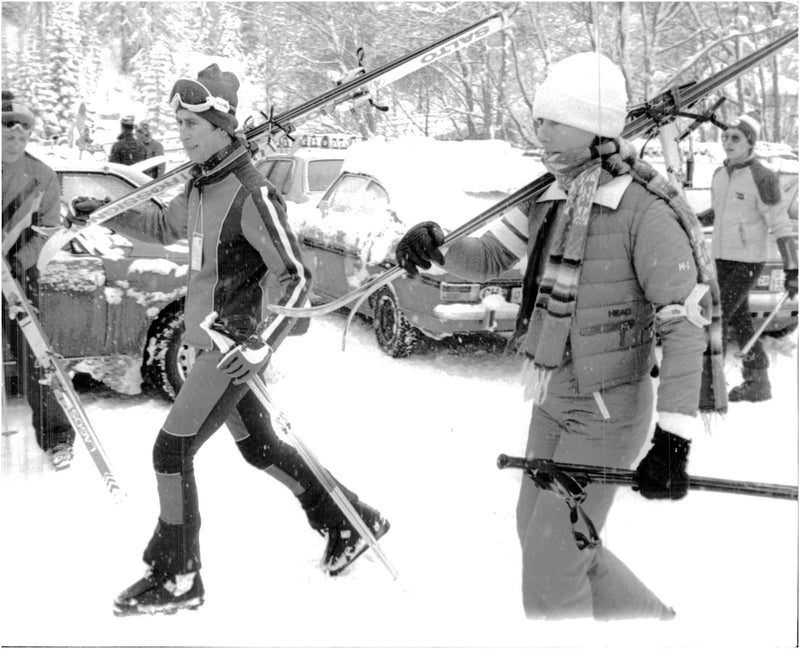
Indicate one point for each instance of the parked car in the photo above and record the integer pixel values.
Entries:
(768, 288)
(384, 187)
(112, 307)
(302, 176)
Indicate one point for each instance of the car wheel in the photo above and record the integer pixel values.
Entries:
(168, 358)
(396, 335)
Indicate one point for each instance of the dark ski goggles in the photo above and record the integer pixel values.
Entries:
(194, 96)
(11, 123)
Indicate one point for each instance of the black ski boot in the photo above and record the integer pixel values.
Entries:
(161, 593)
(345, 544)
(755, 387)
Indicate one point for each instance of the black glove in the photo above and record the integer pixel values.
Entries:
(419, 246)
(662, 472)
(790, 282)
(81, 209)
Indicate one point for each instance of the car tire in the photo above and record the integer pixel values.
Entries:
(780, 333)
(168, 357)
(396, 335)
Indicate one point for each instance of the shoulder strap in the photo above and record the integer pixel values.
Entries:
(14, 204)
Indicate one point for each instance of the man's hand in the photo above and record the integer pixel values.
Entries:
(662, 472)
(81, 208)
(246, 360)
(419, 247)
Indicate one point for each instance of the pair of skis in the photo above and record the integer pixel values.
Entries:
(586, 473)
(642, 120)
(21, 310)
(355, 91)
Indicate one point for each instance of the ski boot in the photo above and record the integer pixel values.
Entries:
(161, 593)
(61, 456)
(345, 544)
(755, 387)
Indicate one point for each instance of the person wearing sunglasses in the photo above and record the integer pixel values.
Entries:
(235, 223)
(747, 206)
(611, 260)
(24, 179)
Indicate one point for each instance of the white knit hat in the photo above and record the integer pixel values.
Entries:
(586, 91)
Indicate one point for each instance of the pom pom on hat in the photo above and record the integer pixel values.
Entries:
(747, 125)
(586, 91)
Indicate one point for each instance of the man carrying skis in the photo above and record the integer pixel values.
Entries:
(25, 177)
(236, 225)
(613, 255)
(746, 198)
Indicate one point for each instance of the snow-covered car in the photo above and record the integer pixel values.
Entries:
(113, 306)
(768, 289)
(386, 186)
(302, 176)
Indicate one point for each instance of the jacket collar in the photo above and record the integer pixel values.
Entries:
(220, 164)
(739, 165)
(608, 195)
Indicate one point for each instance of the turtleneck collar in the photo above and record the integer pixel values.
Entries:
(220, 164)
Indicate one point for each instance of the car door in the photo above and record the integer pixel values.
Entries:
(348, 240)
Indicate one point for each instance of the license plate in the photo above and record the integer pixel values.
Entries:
(776, 280)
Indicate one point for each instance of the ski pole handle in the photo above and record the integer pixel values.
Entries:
(217, 337)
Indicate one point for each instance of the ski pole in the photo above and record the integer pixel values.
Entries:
(320, 472)
(754, 338)
(627, 477)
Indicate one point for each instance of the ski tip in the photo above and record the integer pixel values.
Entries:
(52, 246)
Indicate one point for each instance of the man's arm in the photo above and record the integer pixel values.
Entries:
(265, 226)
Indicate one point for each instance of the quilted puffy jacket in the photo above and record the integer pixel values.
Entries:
(637, 259)
(747, 208)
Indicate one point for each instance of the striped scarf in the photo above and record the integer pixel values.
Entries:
(580, 173)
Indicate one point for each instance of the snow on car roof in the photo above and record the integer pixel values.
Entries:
(433, 179)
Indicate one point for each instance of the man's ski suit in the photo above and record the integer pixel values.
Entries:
(238, 235)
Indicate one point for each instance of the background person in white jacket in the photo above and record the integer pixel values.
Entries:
(746, 198)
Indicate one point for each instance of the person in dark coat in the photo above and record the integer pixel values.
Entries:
(153, 148)
(127, 150)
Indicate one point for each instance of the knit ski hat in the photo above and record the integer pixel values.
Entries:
(747, 125)
(215, 86)
(586, 91)
(15, 112)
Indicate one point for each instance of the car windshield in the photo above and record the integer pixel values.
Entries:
(321, 173)
(97, 185)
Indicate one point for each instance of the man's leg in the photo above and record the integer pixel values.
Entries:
(259, 444)
(559, 580)
(173, 580)
(736, 280)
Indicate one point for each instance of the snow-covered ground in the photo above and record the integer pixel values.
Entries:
(417, 438)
